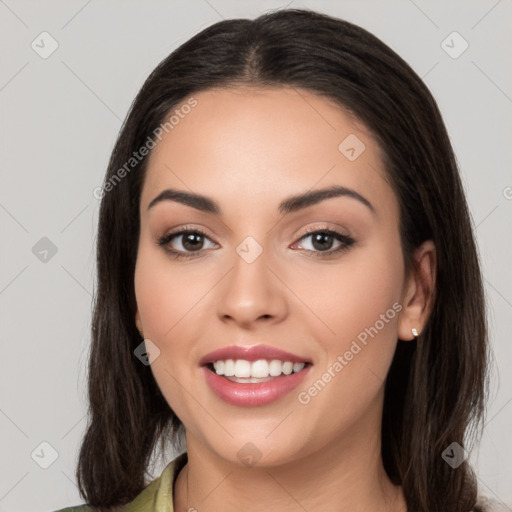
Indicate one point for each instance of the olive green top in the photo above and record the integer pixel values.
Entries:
(156, 497)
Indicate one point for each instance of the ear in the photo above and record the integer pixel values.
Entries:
(418, 292)
(138, 323)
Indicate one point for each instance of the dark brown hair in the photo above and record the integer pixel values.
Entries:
(436, 388)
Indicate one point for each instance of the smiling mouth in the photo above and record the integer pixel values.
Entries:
(247, 372)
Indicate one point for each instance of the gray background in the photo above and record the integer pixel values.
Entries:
(59, 118)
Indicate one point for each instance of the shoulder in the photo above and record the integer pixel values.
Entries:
(486, 504)
(156, 497)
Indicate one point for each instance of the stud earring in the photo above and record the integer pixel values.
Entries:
(415, 333)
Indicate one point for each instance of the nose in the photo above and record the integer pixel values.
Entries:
(252, 293)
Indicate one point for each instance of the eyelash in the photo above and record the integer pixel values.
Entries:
(346, 241)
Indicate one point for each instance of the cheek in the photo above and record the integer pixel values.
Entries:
(365, 319)
(167, 299)
(168, 293)
(344, 299)
(357, 302)
(374, 287)
(370, 310)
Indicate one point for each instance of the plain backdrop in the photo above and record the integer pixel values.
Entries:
(59, 117)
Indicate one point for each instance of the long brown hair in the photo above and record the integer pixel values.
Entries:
(436, 388)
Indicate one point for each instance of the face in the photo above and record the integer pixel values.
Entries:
(321, 280)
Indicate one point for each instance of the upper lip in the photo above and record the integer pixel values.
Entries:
(251, 353)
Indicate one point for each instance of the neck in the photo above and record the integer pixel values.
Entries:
(347, 476)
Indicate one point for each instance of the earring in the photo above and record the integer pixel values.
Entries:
(415, 333)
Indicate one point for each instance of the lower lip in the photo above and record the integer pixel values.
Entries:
(255, 394)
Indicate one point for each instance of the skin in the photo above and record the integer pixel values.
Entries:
(249, 149)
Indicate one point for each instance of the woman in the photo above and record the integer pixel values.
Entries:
(283, 223)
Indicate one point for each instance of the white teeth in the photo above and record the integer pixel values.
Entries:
(275, 367)
(242, 368)
(297, 367)
(219, 367)
(229, 368)
(260, 369)
(287, 367)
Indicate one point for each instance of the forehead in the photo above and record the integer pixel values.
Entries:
(264, 143)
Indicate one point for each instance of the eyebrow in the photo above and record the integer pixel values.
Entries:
(289, 205)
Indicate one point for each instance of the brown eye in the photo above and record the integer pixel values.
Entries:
(186, 242)
(322, 241)
(192, 241)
